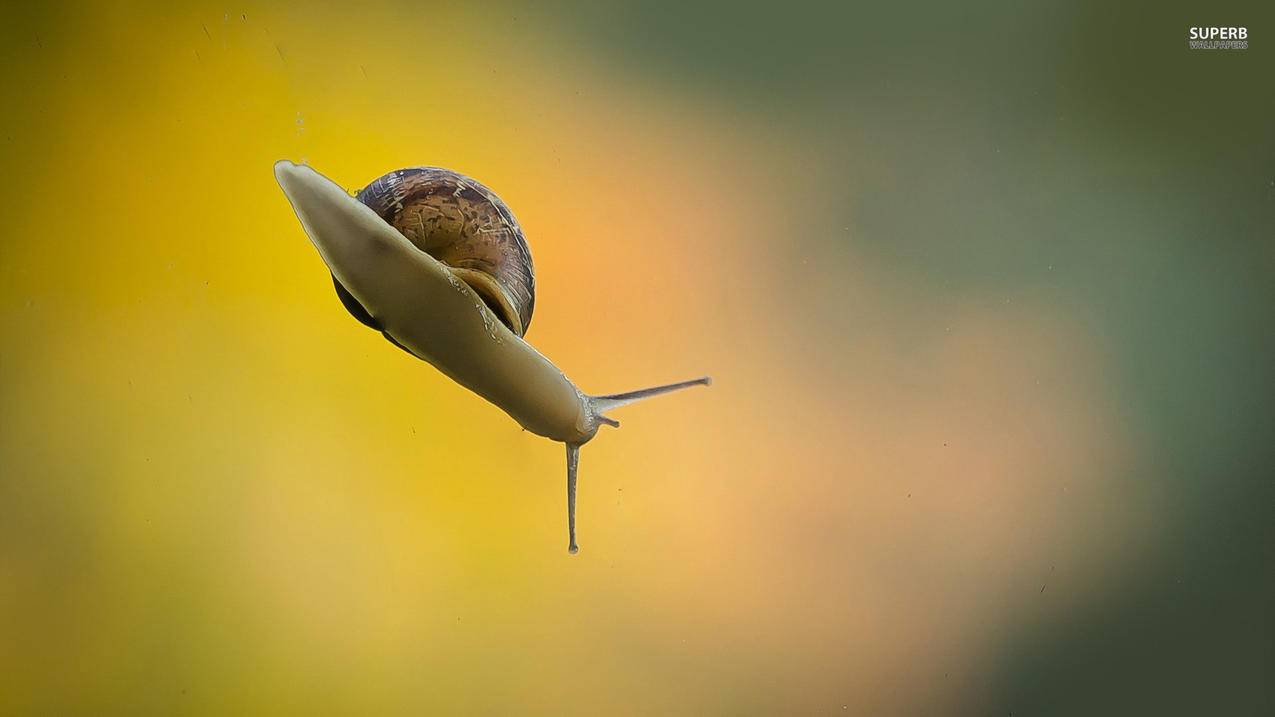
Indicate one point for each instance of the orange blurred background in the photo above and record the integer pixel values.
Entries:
(930, 442)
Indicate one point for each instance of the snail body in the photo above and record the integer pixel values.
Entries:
(437, 263)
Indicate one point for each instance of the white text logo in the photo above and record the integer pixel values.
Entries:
(1217, 38)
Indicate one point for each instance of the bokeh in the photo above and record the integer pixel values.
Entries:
(986, 292)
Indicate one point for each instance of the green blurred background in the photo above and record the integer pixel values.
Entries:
(986, 291)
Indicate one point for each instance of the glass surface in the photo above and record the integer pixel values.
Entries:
(985, 291)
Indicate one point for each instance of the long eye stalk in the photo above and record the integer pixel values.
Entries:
(573, 462)
(615, 400)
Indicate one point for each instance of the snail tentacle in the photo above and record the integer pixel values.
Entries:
(596, 406)
(601, 404)
(573, 463)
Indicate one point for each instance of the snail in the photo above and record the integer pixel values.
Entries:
(437, 263)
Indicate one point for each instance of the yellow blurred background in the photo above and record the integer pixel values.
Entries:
(976, 346)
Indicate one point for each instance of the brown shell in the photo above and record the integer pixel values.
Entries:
(463, 224)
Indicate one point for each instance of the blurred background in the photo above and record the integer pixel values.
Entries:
(986, 291)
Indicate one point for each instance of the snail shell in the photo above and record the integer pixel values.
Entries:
(464, 225)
